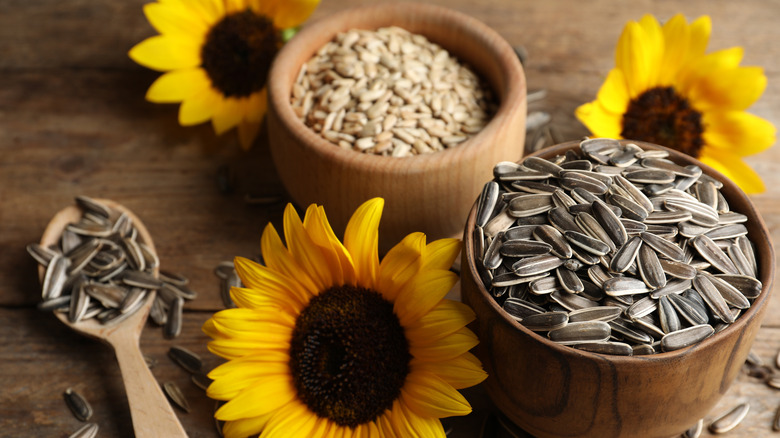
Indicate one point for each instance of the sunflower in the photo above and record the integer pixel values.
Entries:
(327, 341)
(216, 55)
(664, 89)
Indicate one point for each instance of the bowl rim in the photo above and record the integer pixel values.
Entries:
(765, 266)
(300, 47)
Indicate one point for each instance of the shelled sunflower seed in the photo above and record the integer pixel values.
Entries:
(101, 269)
(390, 92)
(610, 225)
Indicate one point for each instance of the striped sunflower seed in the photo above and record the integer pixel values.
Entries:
(487, 202)
(536, 265)
(175, 395)
(569, 280)
(695, 430)
(185, 358)
(88, 430)
(730, 419)
(601, 313)
(688, 310)
(581, 332)
(686, 337)
(670, 322)
(712, 298)
(77, 404)
(523, 248)
(748, 286)
(618, 286)
(650, 269)
(650, 250)
(519, 309)
(614, 348)
(587, 243)
(544, 322)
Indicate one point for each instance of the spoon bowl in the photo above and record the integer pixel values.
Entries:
(151, 413)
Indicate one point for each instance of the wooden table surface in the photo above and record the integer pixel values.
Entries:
(73, 120)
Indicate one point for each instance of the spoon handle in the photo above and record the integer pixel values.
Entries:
(152, 415)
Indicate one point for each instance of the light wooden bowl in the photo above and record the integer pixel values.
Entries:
(556, 391)
(429, 193)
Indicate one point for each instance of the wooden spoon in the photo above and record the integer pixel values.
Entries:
(152, 415)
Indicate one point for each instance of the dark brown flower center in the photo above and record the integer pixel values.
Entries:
(349, 355)
(661, 116)
(238, 52)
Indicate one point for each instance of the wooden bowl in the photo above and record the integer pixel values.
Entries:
(555, 391)
(430, 193)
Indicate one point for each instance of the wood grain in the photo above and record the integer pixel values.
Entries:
(73, 120)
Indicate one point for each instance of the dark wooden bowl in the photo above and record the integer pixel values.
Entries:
(429, 193)
(556, 391)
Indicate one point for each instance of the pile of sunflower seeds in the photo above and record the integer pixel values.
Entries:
(101, 269)
(614, 249)
(390, 92)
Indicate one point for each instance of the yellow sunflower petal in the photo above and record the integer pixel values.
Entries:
(199, 108)
(278, 258)
(427, 395)
(178, 85)
(441, 254)
(400, 264)
(292, 420)
(654, 46)
(613, 94)
(249, 362)
(732, 166)
(317, 227)
(599, 121)
(305, 251)
(446, 348)
(270, 282)
(171, 19)
(461, 372)
(227, 389)
(323, 234)
(210, 330)
(708, 65)
(361, 238)
(732, 89)
(739, 132)
(290, 13)
(408, 424)
(227, 116)
(384, 423)
(264, 397)
(699, 36)
(256, 106)
(446, 318)
(247, 133)
(232, 348)
(677, 37)
(208, 10)
(267, 325)
(246, 426)
(321, 428)
(164, 52)
(254, 299)
(422, 293)
(233, 6)
(635, 56)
